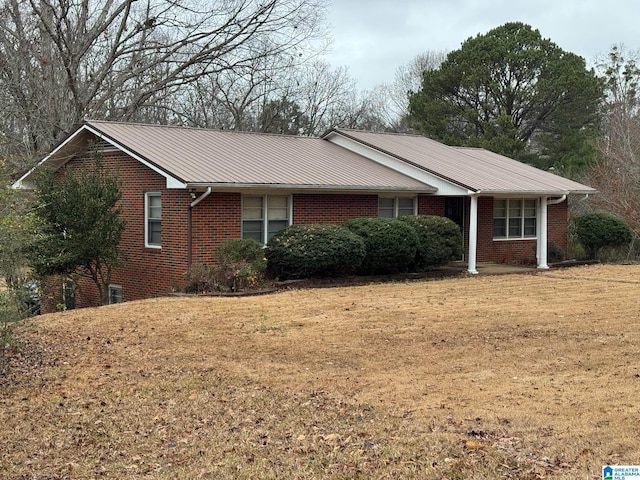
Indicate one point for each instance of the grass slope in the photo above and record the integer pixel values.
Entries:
(514, 376)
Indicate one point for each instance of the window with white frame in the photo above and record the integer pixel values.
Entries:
(153, 219)
(264, 215)
(115, 294)
(514, 218)
(393, 207)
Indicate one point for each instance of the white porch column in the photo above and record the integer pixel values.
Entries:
(542, 235)
(473, 235)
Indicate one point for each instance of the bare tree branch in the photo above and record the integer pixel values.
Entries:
(62, 60)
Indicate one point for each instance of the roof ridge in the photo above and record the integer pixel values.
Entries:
(398, 134)
(194, 128)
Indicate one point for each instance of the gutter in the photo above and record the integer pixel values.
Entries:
(314, 188)
(557, 200)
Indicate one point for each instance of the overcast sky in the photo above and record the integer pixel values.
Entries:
(374, 37)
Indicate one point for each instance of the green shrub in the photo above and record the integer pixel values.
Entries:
(242, 250)
(240, 265)
(314, 250)
(391, 245)
(440, 239)
(598, 230)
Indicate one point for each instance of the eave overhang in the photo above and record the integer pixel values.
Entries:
(76, 142)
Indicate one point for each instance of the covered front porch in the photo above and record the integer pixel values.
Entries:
(489, 230)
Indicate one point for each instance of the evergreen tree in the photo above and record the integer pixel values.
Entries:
(514, 93)
(79, 227)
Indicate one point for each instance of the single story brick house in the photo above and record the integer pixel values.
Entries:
(186, 190)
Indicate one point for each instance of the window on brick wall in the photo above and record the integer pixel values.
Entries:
(264, 215)
(115, 294)
(153, 219)
(514, 218)
(393, 207)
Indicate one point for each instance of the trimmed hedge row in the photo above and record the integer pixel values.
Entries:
(440, 239)
(391, 245)
(363, 245)
(314, 250)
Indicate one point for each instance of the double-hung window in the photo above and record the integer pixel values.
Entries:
(264, 215)
(393, 207)
(153, 220)
(514, 218)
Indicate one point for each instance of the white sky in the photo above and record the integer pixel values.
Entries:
(374, 37)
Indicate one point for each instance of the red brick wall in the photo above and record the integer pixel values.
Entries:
(430, 205)
(150, 272)
(215, 219)
(332, 208)
(557, 221)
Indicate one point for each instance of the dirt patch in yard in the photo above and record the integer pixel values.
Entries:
(511, 376)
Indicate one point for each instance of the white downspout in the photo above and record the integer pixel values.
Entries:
(559, 200)
(473, 235)
(201, 197)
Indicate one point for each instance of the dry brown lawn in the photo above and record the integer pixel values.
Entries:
(511, 376)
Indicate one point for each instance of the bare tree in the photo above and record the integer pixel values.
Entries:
(393, 98)
(408, 78)
(277, 94)
(327, 96)
(62, 60)
(616, 173)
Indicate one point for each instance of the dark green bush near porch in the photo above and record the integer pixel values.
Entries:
(314, 250)
(599, 230)
(391, 245)
(440, 239)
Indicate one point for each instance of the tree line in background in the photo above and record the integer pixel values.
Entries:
(256, 65)
(229, 64)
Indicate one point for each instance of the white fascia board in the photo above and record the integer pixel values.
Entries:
(24, 182)
(172, 182)
(444, 187)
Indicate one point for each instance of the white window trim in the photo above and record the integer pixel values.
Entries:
(396, 204)
(521, 237)
(265, 213)
(146, 219)
(115, 287)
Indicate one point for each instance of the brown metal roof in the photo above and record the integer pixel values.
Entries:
(473, 168)
(201, 156)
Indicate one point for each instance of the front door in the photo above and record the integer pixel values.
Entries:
(454, 210)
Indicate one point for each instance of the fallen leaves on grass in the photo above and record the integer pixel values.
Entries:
(516, 377)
